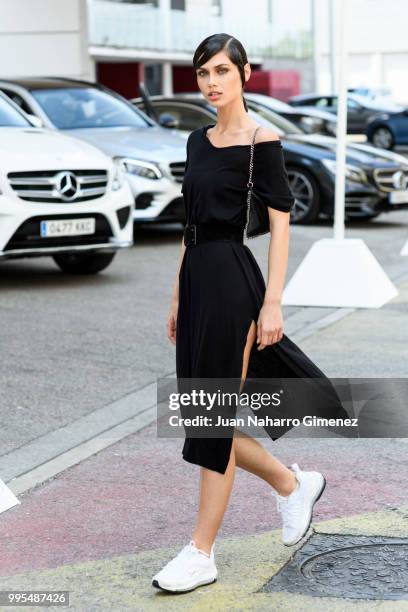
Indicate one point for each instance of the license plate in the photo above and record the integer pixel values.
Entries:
(398, 197)
(67, 227)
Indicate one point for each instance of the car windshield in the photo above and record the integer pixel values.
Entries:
(285, 126)
(75, 108)
(272, 103)
(10, 117)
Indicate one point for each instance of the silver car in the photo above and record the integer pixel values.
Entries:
(153, 157)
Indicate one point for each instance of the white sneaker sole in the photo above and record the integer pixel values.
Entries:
(156, 584)
(315, 499)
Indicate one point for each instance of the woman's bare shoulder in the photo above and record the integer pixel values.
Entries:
(266, 134)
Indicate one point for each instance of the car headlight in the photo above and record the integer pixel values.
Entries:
(139, 167)
(353, 173)
(118, 177)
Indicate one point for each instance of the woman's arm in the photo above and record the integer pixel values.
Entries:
(270, 321)
(172, 318)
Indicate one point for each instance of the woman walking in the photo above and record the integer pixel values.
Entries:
(223, 319)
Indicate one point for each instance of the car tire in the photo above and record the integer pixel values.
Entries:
(83, 263)
(306, 191)
(383, 138)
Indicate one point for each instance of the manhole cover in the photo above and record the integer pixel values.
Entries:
(356, 567)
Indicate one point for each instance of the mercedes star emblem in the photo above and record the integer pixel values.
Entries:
(399, 180)
(67, 185)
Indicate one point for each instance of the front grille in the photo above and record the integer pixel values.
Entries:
(28, 236)
(56, 186)
(383, 178)
(177, 171)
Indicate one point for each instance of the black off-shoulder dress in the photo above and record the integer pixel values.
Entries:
(221, 287)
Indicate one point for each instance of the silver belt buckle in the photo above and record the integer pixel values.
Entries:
(190, 234)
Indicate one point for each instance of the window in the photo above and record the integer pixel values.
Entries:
(216, 8)
(269, 10)
(280, 124)
(17, 99)
(10, 117)
(324, 102)
(188, 118)
(71, 108)
(352, 104)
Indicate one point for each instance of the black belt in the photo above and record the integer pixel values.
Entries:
(196, 234)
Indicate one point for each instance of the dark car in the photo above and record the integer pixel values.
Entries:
(360, 110)
(310, 120)
(375, 94)
(376, 181)
(388, 129)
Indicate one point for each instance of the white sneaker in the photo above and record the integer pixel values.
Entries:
(189, 569)
(297, 508)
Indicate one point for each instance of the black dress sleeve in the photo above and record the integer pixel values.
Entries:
(270, 177)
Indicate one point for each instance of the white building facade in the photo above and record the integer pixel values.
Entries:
(164, 34)
(124, 42)
(378, 45)
(44, 37)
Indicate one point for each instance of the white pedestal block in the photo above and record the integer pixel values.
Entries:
(339, 273)
(7, 497)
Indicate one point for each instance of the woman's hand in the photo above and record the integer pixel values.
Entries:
(172, 321)
(270, 325)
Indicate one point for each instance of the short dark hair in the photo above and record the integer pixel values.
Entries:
(215, 43)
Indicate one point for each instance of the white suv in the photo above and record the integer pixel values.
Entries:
(60, 197)
(153, 158)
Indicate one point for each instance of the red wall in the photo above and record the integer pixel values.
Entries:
(280, 84)
(121, 77)
(184, 79)
(124, 77)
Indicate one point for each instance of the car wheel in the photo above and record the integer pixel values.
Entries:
(383, 138)
(83, 263)
(307, 196)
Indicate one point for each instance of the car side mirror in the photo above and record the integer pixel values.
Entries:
(168, 120)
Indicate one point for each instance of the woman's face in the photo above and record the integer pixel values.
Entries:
(221, 76)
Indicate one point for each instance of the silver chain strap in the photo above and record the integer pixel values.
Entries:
(250, 183)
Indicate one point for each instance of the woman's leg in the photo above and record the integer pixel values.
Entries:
(246, 453)
(215, 490)
(250, 455)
